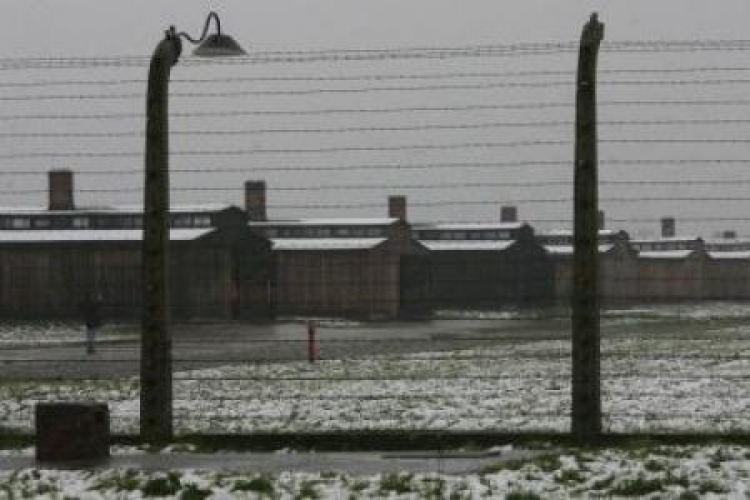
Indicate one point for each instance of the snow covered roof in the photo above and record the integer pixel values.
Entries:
(727, 245)
(666, 254)
(568, 249)
(326, 243)
(465, 245)
(371, 221)
(468, 226)
(738, 255)
(87, 235)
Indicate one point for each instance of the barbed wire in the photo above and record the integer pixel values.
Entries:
(373, 77)
(345, 55)
(357, 90)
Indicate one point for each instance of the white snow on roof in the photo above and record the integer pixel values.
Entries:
(371, 221)
(466, 245)
(738, 255)
(665, 254)
(568, 249)
(468, 226)
(74, 235)
(326, 243)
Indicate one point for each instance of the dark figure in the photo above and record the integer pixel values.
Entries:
(92, 317)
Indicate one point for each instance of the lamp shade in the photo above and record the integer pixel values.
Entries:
(219, 46)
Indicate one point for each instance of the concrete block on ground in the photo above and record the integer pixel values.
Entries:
(72, 431)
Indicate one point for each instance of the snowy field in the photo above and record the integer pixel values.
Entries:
(684, 371)
(46, 334)
(684, 473)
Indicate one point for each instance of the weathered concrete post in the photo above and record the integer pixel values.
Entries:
(156, 342)
(586, 383)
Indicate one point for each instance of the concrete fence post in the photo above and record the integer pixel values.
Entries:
(586, 422)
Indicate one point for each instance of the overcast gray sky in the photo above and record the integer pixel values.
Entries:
(105, 27)
(102, 28)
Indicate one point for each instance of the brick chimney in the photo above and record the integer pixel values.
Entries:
(61, 190)
(600, 220)
(508, 213)
(667, 227)
(255, 200)
(397, 207)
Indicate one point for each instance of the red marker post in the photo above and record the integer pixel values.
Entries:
(313, 352)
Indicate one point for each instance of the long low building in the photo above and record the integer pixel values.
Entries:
(50, 273)
(618, 271)
(367, 268)
(52, 259)
(486, 265)
(672, 269)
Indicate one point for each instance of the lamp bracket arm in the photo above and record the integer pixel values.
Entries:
(211, 15)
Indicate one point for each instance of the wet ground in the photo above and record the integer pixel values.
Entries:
(200, 345)
(212, 344)
(446, 462)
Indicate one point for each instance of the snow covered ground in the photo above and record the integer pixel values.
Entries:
(644, 472)
(46, 334)
(658, 375)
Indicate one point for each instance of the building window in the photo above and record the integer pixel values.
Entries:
(374, 231)
(202, 220)
(20, 223)
(343, 231)
(272, 233)
(80, 222)
(182, 221)
(42, 223)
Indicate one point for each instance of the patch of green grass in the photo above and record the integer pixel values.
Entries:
(603, 484)
(672, 480)
(307, 490)
(522, 495)
(636, 487)
(397, 483)
(652, 465)
(162, 486)
(502, 466)
(689, 495)
(128, 481)
(711, 486)
(547, 462)
(359, 485)
(433, 488)
(569, 476)
(261, 485)
(193, 492)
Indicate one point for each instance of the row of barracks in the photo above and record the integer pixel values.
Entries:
(227, 262)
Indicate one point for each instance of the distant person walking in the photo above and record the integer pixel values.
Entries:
(92, 318)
